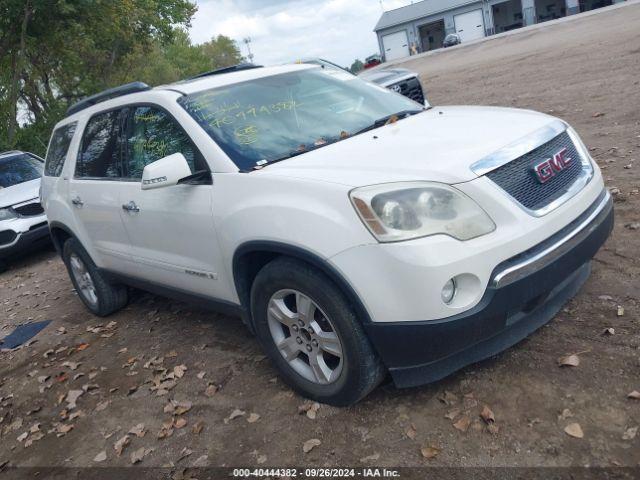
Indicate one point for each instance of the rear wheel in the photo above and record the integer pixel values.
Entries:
(98, 295)
(312, 335)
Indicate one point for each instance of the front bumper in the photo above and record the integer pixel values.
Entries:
(524, 293)
(16, 240)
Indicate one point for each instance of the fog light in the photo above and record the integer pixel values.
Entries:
(448, 291)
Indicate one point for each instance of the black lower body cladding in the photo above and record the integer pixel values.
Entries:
(421, 352)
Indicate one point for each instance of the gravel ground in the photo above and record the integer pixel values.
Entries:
(129, 368)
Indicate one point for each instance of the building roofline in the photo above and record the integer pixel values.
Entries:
(413, 19)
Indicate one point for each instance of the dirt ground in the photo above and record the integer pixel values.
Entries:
(586, 71)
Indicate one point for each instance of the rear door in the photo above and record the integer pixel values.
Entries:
(171, 229)
(94, 191)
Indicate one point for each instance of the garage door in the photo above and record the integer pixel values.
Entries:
(395, 45)
(470, 25)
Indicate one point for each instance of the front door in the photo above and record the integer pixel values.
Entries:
(94, 192)
(170, 229)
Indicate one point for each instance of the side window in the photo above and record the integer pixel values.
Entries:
(58, 147)
(100, 150)
(153, 134)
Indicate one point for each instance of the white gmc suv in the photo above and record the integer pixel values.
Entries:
(355, 231)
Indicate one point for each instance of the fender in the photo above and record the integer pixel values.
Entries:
(56, 241)
(243, 273)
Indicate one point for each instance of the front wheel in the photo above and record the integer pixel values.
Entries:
(312, 335)
(98, 295)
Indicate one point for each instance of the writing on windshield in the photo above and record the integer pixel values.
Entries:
(268, 118)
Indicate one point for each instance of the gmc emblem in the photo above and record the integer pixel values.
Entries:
(548, 168)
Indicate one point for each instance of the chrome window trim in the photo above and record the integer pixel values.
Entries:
(552, 252)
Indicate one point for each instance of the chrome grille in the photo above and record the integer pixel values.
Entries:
(518, 178)
(410, 88)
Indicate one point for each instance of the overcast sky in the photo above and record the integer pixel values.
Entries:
(285, 31)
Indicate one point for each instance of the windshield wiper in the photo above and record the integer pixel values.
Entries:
(294, 153)
(384, 120)
(377, 124)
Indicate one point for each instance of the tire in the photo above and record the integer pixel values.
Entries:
(107, 298)
(279, 287)
(4, 266)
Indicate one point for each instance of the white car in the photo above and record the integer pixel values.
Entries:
(355, 231)
(400, 80)
(23, 223)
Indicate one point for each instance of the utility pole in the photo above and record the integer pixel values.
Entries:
(247, 42)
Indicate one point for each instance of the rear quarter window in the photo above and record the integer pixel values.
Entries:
(58, 147)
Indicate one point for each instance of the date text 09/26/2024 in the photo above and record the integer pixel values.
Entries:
(316, 472)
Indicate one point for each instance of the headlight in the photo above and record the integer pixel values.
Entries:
(402, 211)
(7, 213)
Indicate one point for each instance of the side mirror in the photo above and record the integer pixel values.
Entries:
(165, 172)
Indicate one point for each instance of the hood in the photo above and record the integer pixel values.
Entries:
(387, 76)
(19, 193)
(439, 145)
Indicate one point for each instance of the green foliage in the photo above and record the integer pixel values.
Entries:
(55, 52)
(356, 66)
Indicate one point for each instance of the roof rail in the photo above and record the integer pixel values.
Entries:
(233, 68)
(126, 89)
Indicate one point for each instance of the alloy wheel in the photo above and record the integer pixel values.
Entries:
(83, 279)
(305, 336)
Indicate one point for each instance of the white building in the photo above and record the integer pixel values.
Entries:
(426, 23)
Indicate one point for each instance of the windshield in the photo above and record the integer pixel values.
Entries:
(271, 118)
(19, 168)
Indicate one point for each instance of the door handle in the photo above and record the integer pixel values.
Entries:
(131, 207)
(77, 201)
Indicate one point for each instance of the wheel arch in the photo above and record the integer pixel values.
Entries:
(250, 257)
(60, 233)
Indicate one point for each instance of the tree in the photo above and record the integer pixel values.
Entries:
(54, 52)
(221, 52)
(356, 66)
(17, 59)
(166, 63)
